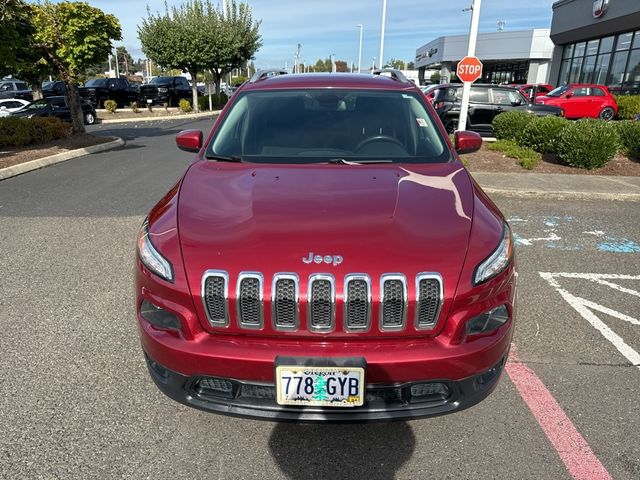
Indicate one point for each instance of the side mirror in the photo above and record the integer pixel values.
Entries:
(516, 103)
(568, 95)
(467, 142)
(189, 140)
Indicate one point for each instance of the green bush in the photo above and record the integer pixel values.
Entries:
(20, 132)
(527, 158)
(588, 143)
(629, 133)
(541, 134)
(185, 105)
(110, 106)
(510, 125)
(218, 101)
(628, 106)
(134, 107)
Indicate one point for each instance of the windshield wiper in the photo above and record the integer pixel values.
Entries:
(342, 161)
(224, 158)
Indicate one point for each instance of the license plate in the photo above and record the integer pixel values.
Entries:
(320, 386)
(149, 101)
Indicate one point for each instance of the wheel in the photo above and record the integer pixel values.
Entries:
(451, 125)
(607, 113)
(173, 101)
(378, 138)
(89, 118)
(100, 103)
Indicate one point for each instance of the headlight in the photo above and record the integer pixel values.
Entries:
(498, 260)
(488, 321)
(150, 257)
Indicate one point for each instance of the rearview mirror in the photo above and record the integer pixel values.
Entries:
(467, 142)
(189, 140)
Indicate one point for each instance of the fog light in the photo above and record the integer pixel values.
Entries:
(158, 316)
(214, 386)
(425, 392)
(488, 321)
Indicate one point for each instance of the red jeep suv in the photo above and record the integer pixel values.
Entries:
(581, 100)
(326, 257)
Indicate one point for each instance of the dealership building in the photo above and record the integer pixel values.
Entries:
(590, 41)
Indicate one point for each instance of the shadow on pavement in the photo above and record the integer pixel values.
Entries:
(369, 451)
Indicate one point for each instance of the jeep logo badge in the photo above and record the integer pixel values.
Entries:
(334, 260)
(599, 8)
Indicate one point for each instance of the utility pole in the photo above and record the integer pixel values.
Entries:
(117, 68)
(384, 16)
(297, 67)
(110, 67)
(471, 52)
(360, 49)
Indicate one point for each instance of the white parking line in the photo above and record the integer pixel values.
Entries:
(585, 307)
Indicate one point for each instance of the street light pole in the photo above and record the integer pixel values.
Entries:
(360, 49)
(466, 89)
(384, 16)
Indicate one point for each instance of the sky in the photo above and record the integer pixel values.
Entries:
(326, 27)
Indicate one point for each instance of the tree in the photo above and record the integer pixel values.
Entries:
(395, 63)
(435, 77)
(125, 61)
(341, 66)
(411, 66)
(73, 36)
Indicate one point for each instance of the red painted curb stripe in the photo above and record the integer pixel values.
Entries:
(573, 449)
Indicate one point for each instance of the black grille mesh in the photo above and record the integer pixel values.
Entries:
(249, 302)
(394, 304)
(357, 308)
(429, 303)
(321, 304)
(215, 299)
(285, 308)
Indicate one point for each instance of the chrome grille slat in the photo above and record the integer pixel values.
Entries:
(357, 302)
(429, 296)
(393, 301)
(249, 303)
(215, 297)
(284, 301)
(321, 301)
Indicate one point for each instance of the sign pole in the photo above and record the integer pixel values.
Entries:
(466, 89)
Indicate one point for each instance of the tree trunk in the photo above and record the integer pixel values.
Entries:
(217, 76)
(194, 89)
(36, 88)
(73, 100)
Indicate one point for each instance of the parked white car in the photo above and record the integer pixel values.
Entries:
(9, 105)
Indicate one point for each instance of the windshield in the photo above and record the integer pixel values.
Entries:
(558, 91)
(157, 80)
(37, 104)
(329, 125)
(96, 82)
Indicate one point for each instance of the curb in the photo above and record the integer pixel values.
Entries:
(21, 168)
(163, 118)
(563, 195)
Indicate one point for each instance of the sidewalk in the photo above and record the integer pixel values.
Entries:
(560, 186)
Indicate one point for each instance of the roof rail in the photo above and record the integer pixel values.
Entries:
(393, 73)
(262, 74)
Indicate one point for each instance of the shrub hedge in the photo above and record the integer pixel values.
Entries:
(588, 143)
(110, 106)
(510, 125)
(629, 133)
(527, 158)
(218, 101)
(541, 134)
(628, 106)
(19, 132)
(185, 105)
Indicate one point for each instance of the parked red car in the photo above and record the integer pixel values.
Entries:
(580, 100)
(526, 89)
(326, 257)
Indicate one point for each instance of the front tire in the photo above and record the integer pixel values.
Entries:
(89, 118)
(607, 113)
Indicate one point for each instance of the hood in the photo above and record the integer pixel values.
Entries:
(377, 219)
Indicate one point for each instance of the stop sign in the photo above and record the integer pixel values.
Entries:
(469, 69)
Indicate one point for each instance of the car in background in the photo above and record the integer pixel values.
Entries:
(10, 105)
(429, 91)
(53, 89)
(56, 107)
(326, 257)
(169, 90)
(13, 88)
(98, 90)
(527, 89)
(485, 103)
(582, 100)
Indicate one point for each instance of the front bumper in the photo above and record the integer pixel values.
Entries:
(383, 402)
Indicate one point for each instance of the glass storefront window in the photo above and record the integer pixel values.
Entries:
(624, 41)
(636, 40)
(592, 47)
(587, 69)
(600, 70)
(568, 51)
(606, 44)
(576, 67)
(617, 69)
(564, 69)
(632, 78)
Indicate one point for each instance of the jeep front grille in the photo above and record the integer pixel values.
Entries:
(356, 310)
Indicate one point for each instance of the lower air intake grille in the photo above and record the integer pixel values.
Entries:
(394, 302)
(321, 302)
(357, 307)
(214, 295)
(428, 301)
(249, 298)
(284, 304)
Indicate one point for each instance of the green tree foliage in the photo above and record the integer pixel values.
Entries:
(395, 63)
(126, 65)
(73, 36)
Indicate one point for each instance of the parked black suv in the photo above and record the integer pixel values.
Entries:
(169, 90)
(55, 107)
(12, 88)
(53, 89)
(485, 103)
(97, 90)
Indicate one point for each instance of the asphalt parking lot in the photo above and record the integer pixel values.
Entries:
(76, 400)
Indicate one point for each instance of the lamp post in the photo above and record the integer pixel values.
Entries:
(360, 49)
(384, 16)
